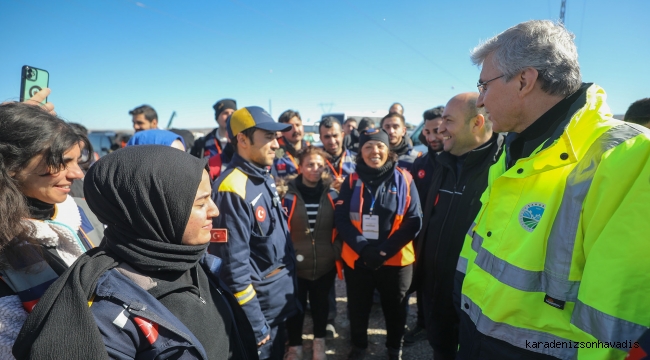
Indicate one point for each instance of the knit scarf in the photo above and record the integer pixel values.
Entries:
(401, 148)
(374, 177)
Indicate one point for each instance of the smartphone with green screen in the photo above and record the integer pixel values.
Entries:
(32, 80)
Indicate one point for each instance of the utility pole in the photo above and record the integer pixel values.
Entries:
(562, 11)
(169, 124)
(329, 109)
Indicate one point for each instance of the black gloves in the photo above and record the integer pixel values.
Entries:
(371, 257)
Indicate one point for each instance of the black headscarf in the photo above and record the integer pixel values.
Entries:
(144, 195)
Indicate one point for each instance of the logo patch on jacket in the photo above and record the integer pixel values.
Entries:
(281, 167)
(530, 216)
(421, 174)
(260, 214)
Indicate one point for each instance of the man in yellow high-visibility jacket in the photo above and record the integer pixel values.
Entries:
(555, 265)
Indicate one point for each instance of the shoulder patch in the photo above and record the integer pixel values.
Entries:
(234, 182)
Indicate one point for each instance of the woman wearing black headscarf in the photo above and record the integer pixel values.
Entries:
(150, 290)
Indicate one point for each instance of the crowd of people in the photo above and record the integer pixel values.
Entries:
(521, 230)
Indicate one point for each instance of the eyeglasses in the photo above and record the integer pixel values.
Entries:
(481, 85)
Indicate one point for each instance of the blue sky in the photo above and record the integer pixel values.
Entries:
(107, 57)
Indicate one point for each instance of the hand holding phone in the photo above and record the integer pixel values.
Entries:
(33, 80)
(34, 88)
(39, 99)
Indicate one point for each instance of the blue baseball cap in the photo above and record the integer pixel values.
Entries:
(252, 116)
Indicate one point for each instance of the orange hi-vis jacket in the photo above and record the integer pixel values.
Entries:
(397, 198)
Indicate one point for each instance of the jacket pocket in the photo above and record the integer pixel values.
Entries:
(276, 296)
(262, 252)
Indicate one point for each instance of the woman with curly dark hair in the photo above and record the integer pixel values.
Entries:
(41, 227)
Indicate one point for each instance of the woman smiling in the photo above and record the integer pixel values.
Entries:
(41, 231)
(149, 291)
(310, 206)
(378, 215)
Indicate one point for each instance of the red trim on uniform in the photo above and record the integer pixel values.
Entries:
(148, 328)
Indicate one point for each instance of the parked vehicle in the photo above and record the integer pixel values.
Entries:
(106, 141)
(415, 138)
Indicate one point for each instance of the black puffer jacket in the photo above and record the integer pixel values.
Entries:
(453, 200)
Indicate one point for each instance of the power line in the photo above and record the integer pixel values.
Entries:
(349, 55)
(424, 56)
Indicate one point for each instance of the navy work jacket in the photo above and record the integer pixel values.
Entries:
(257, 253)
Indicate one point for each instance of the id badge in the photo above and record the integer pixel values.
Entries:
(370, 227)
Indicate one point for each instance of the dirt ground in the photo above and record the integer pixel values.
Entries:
(339, 347)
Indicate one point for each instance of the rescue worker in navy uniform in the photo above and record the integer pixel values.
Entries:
(251, 235)
(216, 146)
(378, 215)
(286, 159)
(459, 179)
(422, 174)
(395, 125)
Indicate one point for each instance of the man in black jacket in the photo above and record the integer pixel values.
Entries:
(422, 170)
(470, 148)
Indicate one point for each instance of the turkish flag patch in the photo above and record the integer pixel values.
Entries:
(281, 166)
(260, 214)
(219, 235)
(421, 174)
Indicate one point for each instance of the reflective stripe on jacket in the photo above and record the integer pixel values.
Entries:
(551, 256)
(258, 258)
